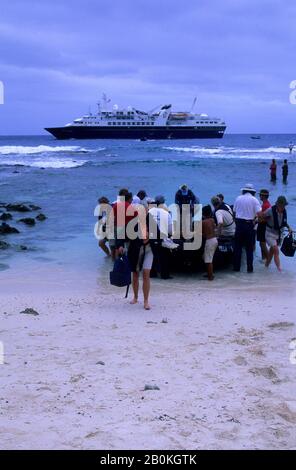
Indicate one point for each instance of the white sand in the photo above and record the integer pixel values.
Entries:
(224, 374)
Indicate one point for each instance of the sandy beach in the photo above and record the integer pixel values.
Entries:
(74, 376)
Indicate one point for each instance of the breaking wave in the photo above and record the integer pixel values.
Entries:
(45, 149)
(38, 163)
(232, 152)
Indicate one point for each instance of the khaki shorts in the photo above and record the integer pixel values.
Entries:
(148, 258)
(210, 248)
(271, 239)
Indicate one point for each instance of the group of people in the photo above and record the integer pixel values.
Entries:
(244, 222)
(273, 171)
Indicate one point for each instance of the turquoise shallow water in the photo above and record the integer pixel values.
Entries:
(66, 177)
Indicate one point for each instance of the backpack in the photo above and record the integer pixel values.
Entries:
(288, 247)
(121, 274)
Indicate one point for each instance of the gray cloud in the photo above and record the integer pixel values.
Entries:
(238, 57)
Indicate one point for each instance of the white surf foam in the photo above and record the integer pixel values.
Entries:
(232, 152)
(31, 150)
(38, 163)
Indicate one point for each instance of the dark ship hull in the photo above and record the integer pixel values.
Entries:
(147, 133)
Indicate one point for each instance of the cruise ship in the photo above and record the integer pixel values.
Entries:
(131, 123)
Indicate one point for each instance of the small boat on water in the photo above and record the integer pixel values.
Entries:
(255, 137)
(131, 123)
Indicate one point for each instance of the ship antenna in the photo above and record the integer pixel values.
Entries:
(106, 100)
(193, 104)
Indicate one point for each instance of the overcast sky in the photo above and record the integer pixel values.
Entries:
(237, 56)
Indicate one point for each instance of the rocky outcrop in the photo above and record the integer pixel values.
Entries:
(6, 229)
(4, 245)
(5, 216)
(18, 208)
(28, 221)
(41, 217)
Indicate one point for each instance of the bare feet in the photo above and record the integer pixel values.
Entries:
(134, 301)
(147, 306)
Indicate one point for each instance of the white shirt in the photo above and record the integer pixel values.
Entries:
(227, 220)
(163, 219)
(246, 207)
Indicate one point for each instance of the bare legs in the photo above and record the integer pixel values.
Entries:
(135, 284)
(264, 250)
(274, 252)
(210, 273)
(146, 288)
(103, 246)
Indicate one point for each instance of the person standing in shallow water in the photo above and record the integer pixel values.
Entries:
(261, 229)
(211, 242)
(285, 171)
(246, 209)
(273, 168)
(276, 221)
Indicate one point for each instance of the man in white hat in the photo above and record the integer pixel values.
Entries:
(246, 208)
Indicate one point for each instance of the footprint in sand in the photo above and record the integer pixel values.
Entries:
(267, 372)
(240, 361)
(287, 411)
(282, 324)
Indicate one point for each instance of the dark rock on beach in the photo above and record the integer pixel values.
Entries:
(5, 216)
(41, 217)
(34, 208)
(151, 387)
(18, 208)
(5, 229)
(4, 245)
(30, 311)
(28, 221)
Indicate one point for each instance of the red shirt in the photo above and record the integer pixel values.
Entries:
(273, 168)
(265, 205)
(123, 212)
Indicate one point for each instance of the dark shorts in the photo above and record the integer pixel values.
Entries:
(261, 230)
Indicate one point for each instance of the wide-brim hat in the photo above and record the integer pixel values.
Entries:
(249, 187)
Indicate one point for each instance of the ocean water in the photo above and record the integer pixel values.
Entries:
(66, 178)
